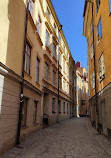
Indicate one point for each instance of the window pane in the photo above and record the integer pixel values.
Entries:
(31, 7)
(100, 28)
(54, 50)
(47, 39)
(27, 59)
(110, 5)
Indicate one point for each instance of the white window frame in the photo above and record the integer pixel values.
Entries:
(101, 67)
(31, 3)
(27, 58)
(39, 25)
(93, 80)
(47, 38)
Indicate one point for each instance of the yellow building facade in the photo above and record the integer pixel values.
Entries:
(45, 44)
(97, 22)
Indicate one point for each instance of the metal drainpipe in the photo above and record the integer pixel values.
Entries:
(22, 82)
(95, 69)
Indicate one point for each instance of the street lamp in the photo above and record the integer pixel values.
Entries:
(58, 78)
(97, 113)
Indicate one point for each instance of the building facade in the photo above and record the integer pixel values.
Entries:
(97, 22)
(82, 97)
(30, 76)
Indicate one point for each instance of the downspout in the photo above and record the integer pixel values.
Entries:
(22, 82)
(97, 113)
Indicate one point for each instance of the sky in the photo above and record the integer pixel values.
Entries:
(70, 15)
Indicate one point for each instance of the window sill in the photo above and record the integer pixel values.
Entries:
(55, 58)
(39, 38)
(28, 74)
(48, 49)
(102, 78)
(38, 83)
(98, 41)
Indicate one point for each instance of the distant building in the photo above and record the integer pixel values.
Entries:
(97, 30)
(82, 108)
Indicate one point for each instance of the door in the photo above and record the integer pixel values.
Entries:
(104, 118)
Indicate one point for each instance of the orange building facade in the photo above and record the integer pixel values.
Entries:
(97, 29)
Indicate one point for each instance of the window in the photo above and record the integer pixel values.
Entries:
(101, 67)
(53, 105)
(93, 80)
(54, 27)
(59, 106)
(48, 13)
(31, 6)
(59, 38)
(63, 65)
(91, 26)
(99, 30)
(39, 25)
(78, 88)
(92, 50)
(109, 6)
(37, 70)
(35, 112)
(47, 38)
(64, 107)
(27, 58)
(54, 77)
(54, 50)
(24, 113)
(97, 5)
(46, 70)
(78, 78)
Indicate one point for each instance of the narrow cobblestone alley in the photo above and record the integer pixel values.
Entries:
(73, 138)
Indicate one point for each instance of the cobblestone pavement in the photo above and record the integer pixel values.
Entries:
(73, 138)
